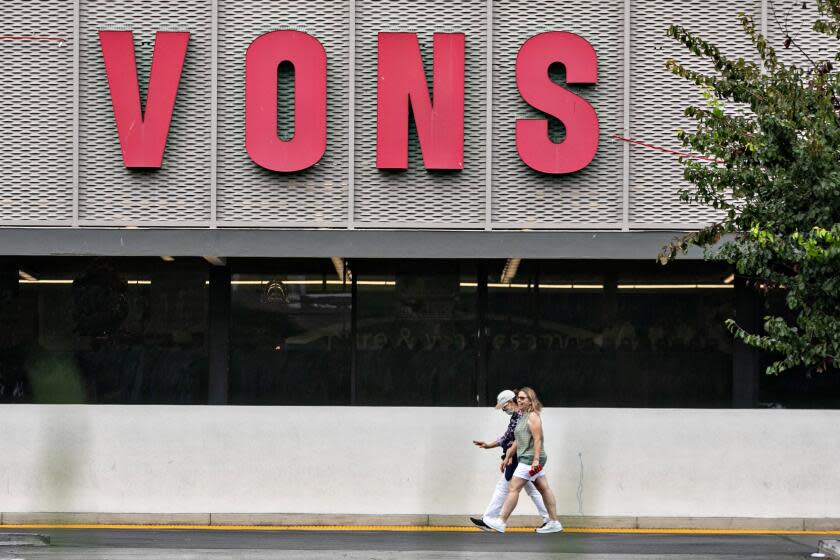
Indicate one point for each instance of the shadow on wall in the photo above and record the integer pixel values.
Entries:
(63, 432)
(442, 463)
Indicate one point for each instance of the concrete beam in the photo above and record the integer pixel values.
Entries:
(81, 518)
(329, 243)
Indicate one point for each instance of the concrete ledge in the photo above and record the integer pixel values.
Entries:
(464, 520)
(823, 524)
(599, 522)
(106, 519)
(736, 523)
(419, 520)
(23, 539)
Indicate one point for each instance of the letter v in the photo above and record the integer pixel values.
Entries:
(143, 133)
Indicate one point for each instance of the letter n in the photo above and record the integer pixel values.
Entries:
(143, 133)
(402, 82)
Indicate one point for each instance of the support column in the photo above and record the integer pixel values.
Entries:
(482, 345)
(219, 334)
(9, 303)
(354, 306)
(745, 359)
(13, 383)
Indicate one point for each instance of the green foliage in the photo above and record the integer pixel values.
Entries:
(772, 132)
(55, 379)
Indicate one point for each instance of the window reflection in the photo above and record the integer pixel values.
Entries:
(103, 331)
(614, 334)
(290, 337)
(380, 332)
(416, 333)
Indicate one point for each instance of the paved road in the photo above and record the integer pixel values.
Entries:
(95, 544)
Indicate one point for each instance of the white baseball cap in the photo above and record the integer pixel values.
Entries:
(504, 397)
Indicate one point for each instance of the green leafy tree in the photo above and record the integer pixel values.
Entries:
(769, 137)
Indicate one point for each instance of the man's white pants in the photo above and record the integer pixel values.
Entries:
(494, 509)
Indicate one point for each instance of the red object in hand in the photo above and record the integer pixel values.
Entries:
(534, 470)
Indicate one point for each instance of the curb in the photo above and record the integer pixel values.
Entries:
(585, 523)
(23, 539)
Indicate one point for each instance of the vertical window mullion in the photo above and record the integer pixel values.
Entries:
(482, 346)
(354, 306)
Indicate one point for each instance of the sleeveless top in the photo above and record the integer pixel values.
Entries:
(525, 442)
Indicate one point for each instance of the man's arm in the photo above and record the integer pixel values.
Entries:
(508, 457)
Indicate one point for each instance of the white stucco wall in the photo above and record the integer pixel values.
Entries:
(173, 459)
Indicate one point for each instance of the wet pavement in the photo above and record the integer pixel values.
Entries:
(120, 544)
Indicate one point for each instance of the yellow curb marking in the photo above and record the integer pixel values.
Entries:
(405, 528)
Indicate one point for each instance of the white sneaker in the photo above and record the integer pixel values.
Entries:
(550, 527)
(495, 523)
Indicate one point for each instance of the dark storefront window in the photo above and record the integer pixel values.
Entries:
(629, 334)
(671, 345)
(511, 326)
(290, 333)
(385, 333)
(800, 387)
(566, 350)
(416, 333)
(108, 331)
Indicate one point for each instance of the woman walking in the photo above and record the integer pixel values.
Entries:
(506, 401)
(530, 450)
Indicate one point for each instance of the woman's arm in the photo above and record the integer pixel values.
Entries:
(535, 425)
(485, 445)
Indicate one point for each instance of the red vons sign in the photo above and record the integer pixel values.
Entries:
(535, 147)
(401, 83)
(143, 135)
(309, 143)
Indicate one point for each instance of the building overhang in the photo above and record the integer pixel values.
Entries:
(388, 244)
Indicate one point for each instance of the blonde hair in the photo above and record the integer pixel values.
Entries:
(536, 405)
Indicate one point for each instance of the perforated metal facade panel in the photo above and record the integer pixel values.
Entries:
(416, 197)
(36, 113)
(796, 19)
(659, 98)
(591, 197)
(179, 192)
(251, 195)
(205, 184)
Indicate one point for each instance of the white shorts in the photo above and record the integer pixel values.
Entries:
(522, 472)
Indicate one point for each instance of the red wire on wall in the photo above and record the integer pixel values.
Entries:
(666, 150)
(30, 38)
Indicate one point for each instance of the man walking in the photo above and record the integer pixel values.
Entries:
(506, 402)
